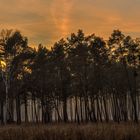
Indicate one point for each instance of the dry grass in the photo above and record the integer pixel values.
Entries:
(71, 132)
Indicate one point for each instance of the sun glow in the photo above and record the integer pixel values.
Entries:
(2, 64)
(60, 11)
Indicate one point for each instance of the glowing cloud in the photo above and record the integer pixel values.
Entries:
(47, 21)
(60, 11)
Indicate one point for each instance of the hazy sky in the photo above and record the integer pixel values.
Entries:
(47, 21)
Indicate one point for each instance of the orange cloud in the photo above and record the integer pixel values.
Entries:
(60, 12)
(46, 21)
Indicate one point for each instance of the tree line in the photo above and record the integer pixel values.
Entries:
(82, 78)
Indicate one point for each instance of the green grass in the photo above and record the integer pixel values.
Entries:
(109, 131)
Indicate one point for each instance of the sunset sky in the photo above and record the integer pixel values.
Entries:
(47, 21)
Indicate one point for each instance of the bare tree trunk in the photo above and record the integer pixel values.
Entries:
(71, 110)
(18, 110)
(93, 110)
(6, 103)
(26, 110)
(11, 110)
(81, 109)
(36, 116)
(99, 110)
(77, 119)
(105, 108)
(56, 103)
(2, 112)
(65, 115)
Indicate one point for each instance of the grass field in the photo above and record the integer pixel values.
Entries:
(71, 132)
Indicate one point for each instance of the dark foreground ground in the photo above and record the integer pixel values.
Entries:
(71, 132)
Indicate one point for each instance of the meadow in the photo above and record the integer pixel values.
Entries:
(98, 131)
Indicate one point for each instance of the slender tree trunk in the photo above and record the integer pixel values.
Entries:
(32, 110)
(18, 110)
(43, 113)
(2, 112)
(11, 110)
(65, 115)
(105, 108)
(6, 104)
(26, 110)
(93, 110)
(81, 109)
(36, 116)
(77, 119)
(71, 109)
(99, 110)
(56, 103)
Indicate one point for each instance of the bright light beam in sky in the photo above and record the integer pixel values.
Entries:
(60, 11)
